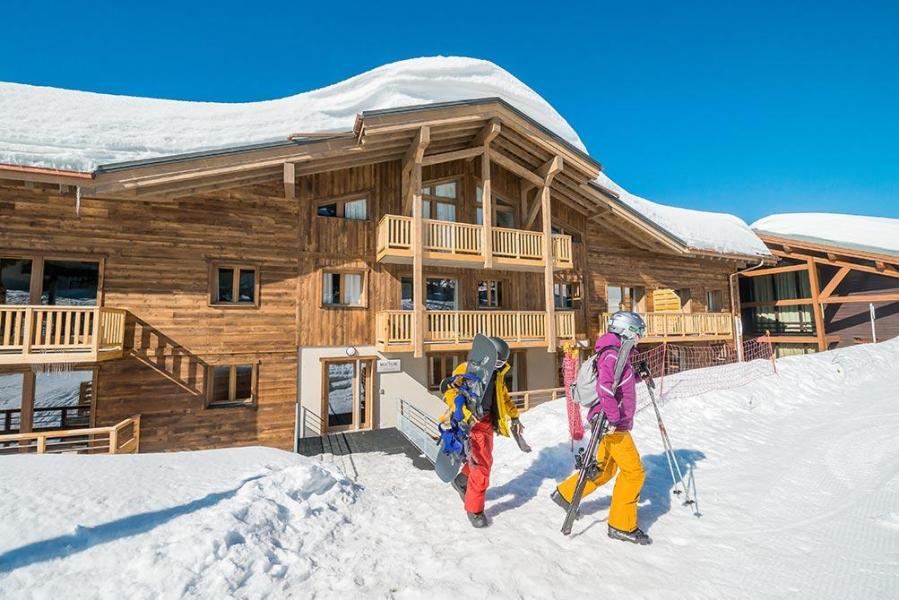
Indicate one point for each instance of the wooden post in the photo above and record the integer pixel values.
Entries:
(487, 208)
(816, 305)
(290, 180)
(113, 439)
(548, 270)
(414, 157)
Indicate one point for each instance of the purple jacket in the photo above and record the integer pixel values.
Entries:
(620, 406)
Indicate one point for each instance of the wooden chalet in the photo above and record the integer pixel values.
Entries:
(822, 294)
(256, 294)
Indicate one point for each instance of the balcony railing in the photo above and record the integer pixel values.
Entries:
(60, 334)
(462, 244)
(661, 326)
(46, 418)
(452, 329)
(121, 438)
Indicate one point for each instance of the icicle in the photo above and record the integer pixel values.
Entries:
(78, 200)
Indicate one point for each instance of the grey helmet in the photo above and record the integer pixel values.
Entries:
(628, 325)
(502, 351)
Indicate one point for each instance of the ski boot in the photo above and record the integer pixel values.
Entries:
(460, 484)
(635, 537)
(478, 520)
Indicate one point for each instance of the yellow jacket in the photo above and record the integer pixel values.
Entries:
(504, 407)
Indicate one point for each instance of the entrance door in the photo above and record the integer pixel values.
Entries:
(347, 400)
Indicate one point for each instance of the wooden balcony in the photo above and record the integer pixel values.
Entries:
(121, 438)
(60, 334)
(448, 243)
(682, 327)
(455, 330)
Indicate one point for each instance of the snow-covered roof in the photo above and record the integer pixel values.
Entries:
(81, 131)
(878, 235)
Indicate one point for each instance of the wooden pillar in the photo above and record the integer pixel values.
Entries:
(290, 180)
(817, 308)
(548, 269)
(26, 417)
(412, 164)
(487, 207)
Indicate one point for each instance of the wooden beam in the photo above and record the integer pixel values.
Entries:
(816, 305)
(517, 169)
(888, 270)
(413, 157)
(786, 302)
(488, 133)
(834, 282)
(26, 416)
(775, 270)
(451, 156)
(549, 296)
(550, 169)
(532, 214)
(886, 297)
(487, 207)
(418, 282)
(290, 181)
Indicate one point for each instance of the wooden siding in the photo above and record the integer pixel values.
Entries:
(852, 322)
(157, 256)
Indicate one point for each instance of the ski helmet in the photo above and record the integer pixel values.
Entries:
(502, 351)
(628, 325)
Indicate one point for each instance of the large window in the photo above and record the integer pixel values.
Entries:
(231, 385)
(343, 288)
(439, 200)
(792, 285)
(234, 285)
(354, 209)
(503, 211)
(714, 301)
(567, 295)
(440, 293)
(347, 394)
(491, 293)
(51, 281)
(625, 298)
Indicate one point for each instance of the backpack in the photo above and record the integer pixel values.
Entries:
(583, 390)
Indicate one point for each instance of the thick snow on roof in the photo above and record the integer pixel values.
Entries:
(699, 230)
(80, 131)
(869, 234)
(71, 130)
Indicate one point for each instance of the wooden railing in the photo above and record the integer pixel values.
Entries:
(682, 326)
(121, 438)
(67, 416)
(527, 399)
(451, 240)
(453, 327)
(47, 334)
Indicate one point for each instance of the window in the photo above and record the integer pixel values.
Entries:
(439, 200)
(686, 299)
(560, 230)
(343, 289)
(15, 280)
(625, 298)
(440, 366)
(234, 285)
(490, 293)
(714, 300)
(567, 295)
(440, 293)
(516, 376)
(503, 212)
(347, 394)
(354, 209)
(231, 385)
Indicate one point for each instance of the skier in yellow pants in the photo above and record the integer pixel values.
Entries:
(616, 452)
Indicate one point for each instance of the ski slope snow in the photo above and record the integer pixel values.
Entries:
(796, 474)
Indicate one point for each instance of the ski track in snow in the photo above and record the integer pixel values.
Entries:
(797, 478)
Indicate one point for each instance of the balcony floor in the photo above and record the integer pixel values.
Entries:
(35, 357)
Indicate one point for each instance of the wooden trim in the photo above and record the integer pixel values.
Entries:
(290, 180)
(833, 283)
(789, 244)
(887, 297)
(445, 157)
(786, 302)
(487, 207)
(233, 401)
(237, 267)
(517, 169)
(775, 270)
(363, 301)
(816, 305)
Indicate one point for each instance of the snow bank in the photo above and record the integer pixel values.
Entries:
(857, 232)
(797, 477)
(65, 129)
(698, 230)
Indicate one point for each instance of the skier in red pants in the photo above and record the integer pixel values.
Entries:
(500, 415)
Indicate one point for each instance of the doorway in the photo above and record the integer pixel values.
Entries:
(347, 394)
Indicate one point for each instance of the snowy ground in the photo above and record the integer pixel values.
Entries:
(797, 478)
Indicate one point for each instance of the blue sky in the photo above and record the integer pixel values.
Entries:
(745, 107)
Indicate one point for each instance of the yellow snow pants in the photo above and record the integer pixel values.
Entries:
(616, 451)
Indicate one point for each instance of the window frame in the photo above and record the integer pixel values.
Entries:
(639, 304)
(503, 285)
(709, 293)
(357, 424)
(342, 271)
(432, 199)
(500, 204)
(444, 357)
(37, 270)
(232, 401)
(237, 267)
(457, 300)
(341, 202)
(575, 298)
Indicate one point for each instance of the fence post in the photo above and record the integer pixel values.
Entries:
(41, 444)
(113, 440)
(771, 351)
(136, 419)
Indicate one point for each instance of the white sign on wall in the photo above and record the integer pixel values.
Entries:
(389, 365)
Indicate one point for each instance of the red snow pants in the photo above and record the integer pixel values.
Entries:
(478, 473)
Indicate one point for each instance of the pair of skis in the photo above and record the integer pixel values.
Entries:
(587, 464)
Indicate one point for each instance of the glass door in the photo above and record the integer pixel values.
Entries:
(347, 385)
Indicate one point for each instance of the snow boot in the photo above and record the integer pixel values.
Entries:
(635, 537)
(478, 520)
(460, 484)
